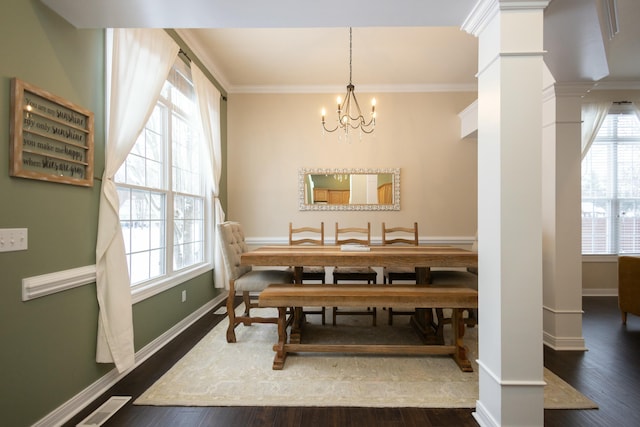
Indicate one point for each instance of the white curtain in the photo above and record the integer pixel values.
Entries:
(593, 115)
(636, 108)
(209, 107)
(141, 60)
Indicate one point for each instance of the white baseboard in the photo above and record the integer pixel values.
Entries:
(564, 343)
(483, 417)
(74, 405)
(605, 292)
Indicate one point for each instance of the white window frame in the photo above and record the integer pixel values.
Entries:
(170, 278)
(613, 225)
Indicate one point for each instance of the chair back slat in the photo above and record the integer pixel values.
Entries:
(306, 235)
(353, 235)
(400, 235)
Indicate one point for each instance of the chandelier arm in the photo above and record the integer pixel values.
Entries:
(346, 109)
(359, 117)
(330, 130)
(364, 130)
(361, 124)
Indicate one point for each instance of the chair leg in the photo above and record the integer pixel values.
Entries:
(246, 299)
(624, 317)
(472, 318)
(335, 309)
(323, 309)
(231, 314)
(390, 309)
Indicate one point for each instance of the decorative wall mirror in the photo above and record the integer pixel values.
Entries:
(349, 189)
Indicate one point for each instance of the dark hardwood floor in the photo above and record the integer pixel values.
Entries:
(609, 374)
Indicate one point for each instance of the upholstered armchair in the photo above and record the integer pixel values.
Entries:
(628, 286)
(242, 278)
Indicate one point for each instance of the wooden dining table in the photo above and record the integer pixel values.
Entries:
(422, 258)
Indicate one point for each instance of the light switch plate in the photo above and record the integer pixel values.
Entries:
(13, 239)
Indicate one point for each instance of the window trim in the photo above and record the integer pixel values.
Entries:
(154, 286)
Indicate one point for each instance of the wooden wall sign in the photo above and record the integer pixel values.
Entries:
(51, 138)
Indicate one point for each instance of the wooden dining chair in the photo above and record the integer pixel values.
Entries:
(399, 236)
(242, 278)
(310, 236)
(359, 236)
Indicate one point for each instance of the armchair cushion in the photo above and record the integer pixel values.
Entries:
(258, 280)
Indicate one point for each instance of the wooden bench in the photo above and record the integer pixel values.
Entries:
(397, 296)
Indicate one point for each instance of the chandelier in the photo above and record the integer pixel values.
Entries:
(349, 113)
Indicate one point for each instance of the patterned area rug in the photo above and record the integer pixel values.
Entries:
(215, 373)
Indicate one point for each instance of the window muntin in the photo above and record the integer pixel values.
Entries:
(611, 188)
(162, 189)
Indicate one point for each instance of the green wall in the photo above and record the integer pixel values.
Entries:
(48, 344)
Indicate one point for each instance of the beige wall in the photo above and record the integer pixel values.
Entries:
(271, 136)
(599, 275)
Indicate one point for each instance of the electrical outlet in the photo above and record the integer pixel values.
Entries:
(184, 295)
(13, 239)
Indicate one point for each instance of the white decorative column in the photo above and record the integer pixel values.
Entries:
(510, 86)
(561, 201)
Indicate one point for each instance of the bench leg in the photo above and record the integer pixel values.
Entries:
(457, 328)
(279, 348)
(296, 327)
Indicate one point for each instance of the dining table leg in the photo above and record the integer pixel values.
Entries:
(298, 314)
(423, 319)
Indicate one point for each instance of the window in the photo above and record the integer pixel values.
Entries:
(162, 190)
(611, 188)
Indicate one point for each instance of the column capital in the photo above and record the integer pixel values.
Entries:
(485, 10)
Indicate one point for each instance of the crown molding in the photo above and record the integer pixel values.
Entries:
(207, 60)
(617, 85)
(408, 88)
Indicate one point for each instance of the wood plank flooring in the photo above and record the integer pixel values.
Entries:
(609, 374)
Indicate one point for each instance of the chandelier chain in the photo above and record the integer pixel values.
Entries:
(350, 54)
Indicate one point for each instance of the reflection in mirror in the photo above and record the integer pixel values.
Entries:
(349, 189)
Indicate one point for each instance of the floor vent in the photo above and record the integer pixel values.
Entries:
(104, 412)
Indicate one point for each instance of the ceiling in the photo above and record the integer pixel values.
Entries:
(405, 45)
